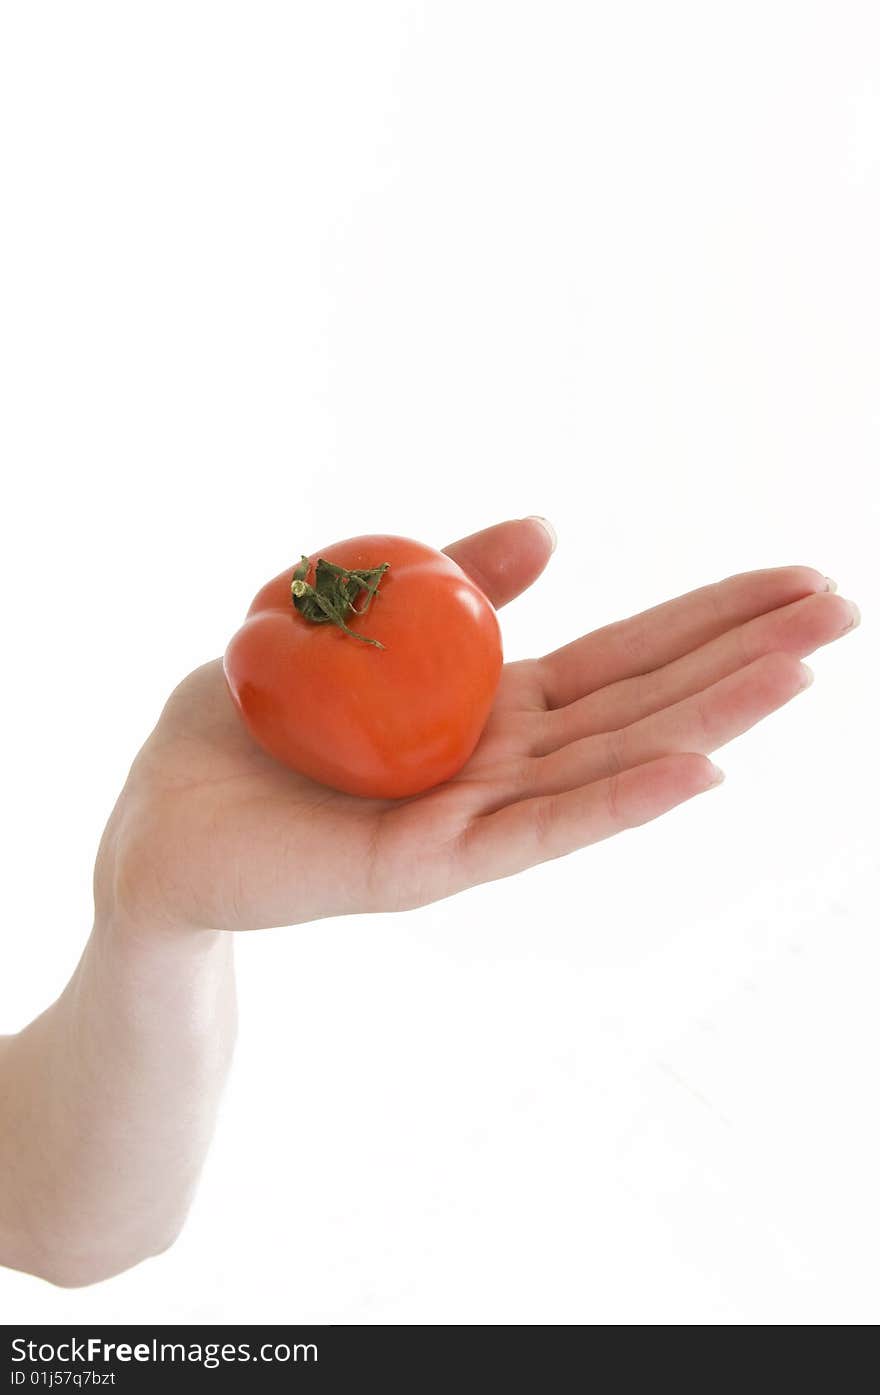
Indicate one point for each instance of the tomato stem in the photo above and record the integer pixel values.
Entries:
(334, 593)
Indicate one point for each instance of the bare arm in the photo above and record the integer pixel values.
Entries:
(108, 1100)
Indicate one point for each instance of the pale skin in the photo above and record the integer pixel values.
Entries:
(108, 1100)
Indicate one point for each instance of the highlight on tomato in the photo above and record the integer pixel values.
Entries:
(371, 666)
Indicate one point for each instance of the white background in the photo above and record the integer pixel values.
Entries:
(274, 274)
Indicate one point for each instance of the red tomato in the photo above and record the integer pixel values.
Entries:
(379, 721)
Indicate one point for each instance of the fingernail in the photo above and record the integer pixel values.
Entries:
(829, 584)
(548, 528)
(807, 676)
(716, 773)
(856, 616)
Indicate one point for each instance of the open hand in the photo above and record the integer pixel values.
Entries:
(599, 736)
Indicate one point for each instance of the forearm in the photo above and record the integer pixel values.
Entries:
(108, 1102)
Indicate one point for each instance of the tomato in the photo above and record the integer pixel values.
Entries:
(388, 707)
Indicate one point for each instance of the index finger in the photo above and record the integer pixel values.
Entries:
(666, 632)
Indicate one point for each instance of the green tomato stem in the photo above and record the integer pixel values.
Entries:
(334, 593)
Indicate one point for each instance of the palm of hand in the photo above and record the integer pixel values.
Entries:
(604, 734)
(214, 832)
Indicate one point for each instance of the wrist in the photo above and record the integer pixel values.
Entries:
(136, 934)
(132, 907)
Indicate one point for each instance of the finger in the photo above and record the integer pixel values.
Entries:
(536, 830)
(505, 559)
(666, 632)
(798, 629)
(700, 723)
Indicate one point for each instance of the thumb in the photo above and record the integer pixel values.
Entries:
(505, 559)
